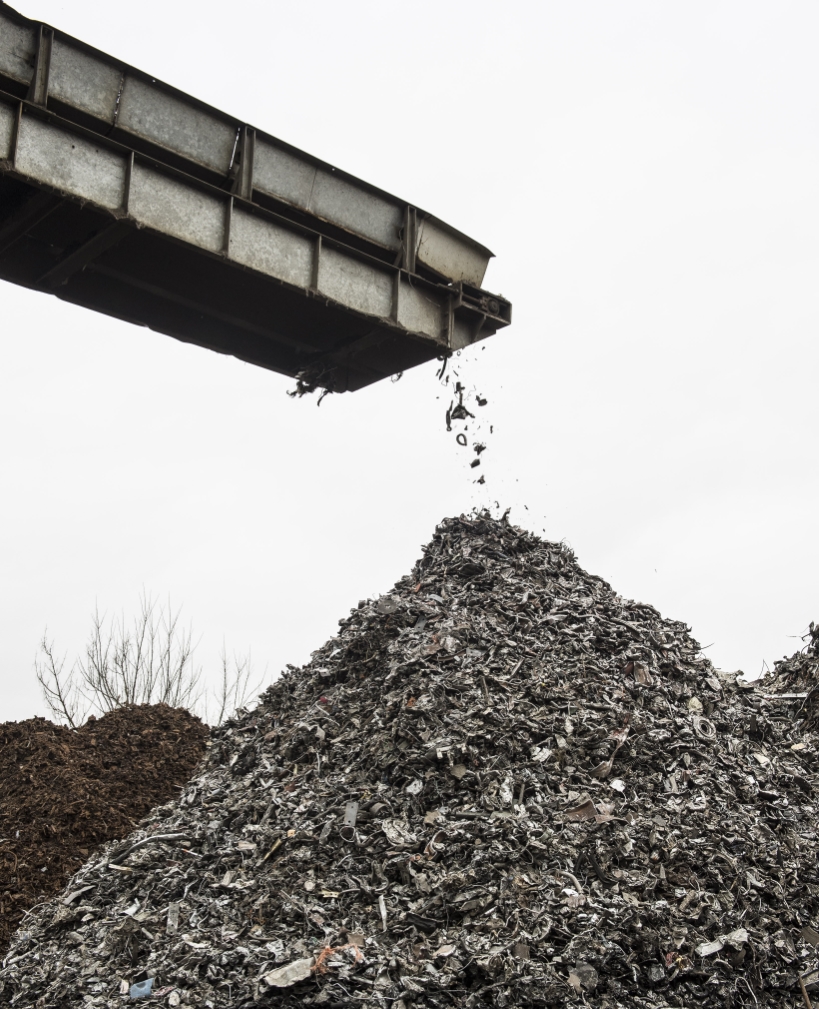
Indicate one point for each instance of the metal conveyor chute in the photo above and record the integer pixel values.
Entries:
(124, 195)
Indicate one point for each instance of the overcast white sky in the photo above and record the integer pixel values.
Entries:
(648, 177)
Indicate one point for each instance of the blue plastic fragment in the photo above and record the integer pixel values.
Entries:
(142, 989)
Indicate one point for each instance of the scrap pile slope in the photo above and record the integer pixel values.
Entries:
(501, 784)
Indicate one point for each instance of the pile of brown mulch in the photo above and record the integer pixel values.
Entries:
(64, 792)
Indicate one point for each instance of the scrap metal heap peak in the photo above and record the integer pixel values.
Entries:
(499, 785)
(129, 197)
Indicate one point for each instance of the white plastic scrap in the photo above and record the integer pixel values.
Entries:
(142, 989)
(291, 973)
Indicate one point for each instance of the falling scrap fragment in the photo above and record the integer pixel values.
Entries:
(491, 788)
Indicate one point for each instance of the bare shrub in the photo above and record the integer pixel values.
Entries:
(235, 688)
(148, 661)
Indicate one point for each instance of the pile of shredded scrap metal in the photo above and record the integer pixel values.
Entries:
(501, 784)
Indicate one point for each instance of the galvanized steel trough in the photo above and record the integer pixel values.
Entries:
(124, 195)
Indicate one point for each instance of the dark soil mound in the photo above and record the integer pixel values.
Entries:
(64, 792)
(500, 785)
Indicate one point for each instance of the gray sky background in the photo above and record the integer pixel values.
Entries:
(648, 177)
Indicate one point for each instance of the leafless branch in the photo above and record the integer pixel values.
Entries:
(235, 688)
(59, 691)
